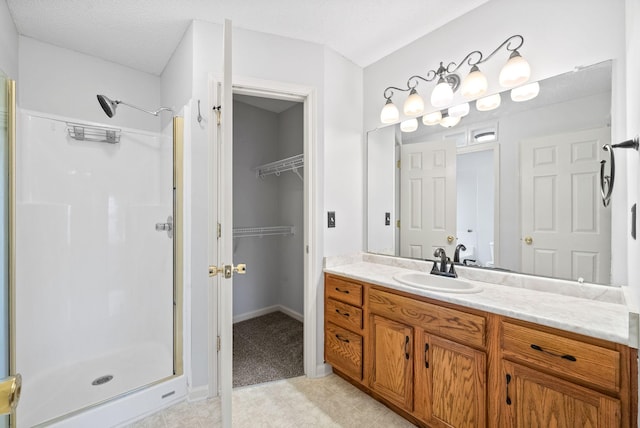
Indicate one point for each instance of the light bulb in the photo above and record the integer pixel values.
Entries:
(409, 125)
(526, 92)
(414, 105)
(488, 103)
(389, 113)
(475, 84)
(459, 111)
(448, 121)
(515, 72)
(432, 118)
(442, 94)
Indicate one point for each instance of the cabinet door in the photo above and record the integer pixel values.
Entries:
(392, 358)
(534, 399)
(452, 384)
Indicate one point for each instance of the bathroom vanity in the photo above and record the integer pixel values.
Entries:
(506, 354)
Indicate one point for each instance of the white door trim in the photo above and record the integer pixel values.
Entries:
(307, 95)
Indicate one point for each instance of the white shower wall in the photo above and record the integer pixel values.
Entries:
(94, 292)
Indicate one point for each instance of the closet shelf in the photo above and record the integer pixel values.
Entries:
(289, 164)
(246, 232)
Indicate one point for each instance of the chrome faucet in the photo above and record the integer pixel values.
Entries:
(439, 252)
(456, 255)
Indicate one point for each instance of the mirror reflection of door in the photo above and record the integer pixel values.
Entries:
(566, 231)
(475, 183)
(428, 202)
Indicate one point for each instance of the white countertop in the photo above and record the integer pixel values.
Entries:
(595, 318)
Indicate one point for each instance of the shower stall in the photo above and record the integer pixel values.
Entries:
(98, 295)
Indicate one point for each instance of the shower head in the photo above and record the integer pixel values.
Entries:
(109, 106)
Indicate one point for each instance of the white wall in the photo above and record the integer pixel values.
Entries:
(8, 42)
(255, 204)
(63, 82)
(291, 211)
(381, 195)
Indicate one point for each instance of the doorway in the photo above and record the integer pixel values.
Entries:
(268, 235)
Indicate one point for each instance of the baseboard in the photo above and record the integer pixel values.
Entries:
(323, 370)
(268, 310)
(199, 393)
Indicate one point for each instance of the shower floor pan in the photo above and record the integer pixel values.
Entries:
(68, 389)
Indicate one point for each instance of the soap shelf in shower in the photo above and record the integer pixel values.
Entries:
(247, 232)
(101, 134)
(289, 164)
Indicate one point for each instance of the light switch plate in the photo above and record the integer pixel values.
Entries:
(331, 219)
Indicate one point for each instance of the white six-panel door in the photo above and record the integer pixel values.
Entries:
(428, 198)
(566, 231)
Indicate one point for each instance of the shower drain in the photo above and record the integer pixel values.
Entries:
(102, 379)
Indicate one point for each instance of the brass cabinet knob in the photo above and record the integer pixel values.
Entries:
(450, 239)
(528, 240)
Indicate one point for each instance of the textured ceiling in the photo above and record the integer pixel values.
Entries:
(143, 34)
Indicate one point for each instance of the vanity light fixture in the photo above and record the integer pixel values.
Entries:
(515, 72)
(525, 92)
(449, 121)
(433, 118)
(460, 110)
(409, 125)
(488, 103)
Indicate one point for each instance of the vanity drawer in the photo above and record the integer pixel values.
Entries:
(344, 315)
(343, 290)
(445, 322)
(567, 357)
(343, 350)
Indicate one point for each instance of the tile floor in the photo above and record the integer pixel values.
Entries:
(298, 402)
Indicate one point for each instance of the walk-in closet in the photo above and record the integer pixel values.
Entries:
(268, 197)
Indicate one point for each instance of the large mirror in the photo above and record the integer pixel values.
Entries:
(515, 188)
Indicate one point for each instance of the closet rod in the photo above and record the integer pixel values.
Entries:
(247, 232)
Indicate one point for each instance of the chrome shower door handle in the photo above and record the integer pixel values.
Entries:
(168, 227)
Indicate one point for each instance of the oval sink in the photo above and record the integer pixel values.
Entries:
(436, 283)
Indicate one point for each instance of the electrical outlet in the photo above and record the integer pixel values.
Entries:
(387, 219)
(331, 219)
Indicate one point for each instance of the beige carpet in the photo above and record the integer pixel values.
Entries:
(267, 348)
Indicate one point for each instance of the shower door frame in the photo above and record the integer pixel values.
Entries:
(82, 414)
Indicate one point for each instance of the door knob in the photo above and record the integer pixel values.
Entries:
(528, 240)
(228, 270)
(450, 239)
(10, 389)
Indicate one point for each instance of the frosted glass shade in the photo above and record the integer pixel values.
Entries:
(488, 103)
(442, 94)
(409, 125)
(460, 110)
(525, 92)
(389, 113)
(448, 121)
(432, 118)
(474, 85)
(515, 72)
(414, 104)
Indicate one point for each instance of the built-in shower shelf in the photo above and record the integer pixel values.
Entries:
(101, 134)
(246, 232)
(278, 167)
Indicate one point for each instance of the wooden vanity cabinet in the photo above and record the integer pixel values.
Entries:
(343, 326)
(443, 365)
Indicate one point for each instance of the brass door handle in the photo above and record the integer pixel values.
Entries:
(10, 389)
(240, 269)
(450, 239)
(528, 240)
